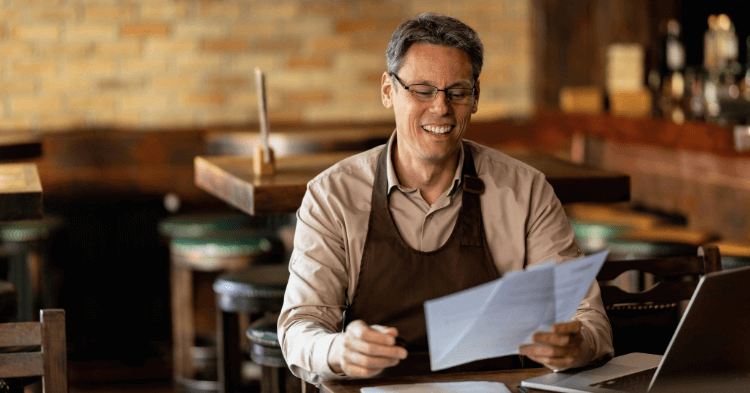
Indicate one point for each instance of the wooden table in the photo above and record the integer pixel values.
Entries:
(231, 179)
(17, 146)
(511, 379)
(20, 192)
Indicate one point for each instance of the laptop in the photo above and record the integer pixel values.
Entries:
(709, 351)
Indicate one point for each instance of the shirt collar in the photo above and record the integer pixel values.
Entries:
(393, 178)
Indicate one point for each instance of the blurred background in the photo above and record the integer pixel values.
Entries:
(122, 95)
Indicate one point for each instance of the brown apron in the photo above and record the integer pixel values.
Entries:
(395, 280)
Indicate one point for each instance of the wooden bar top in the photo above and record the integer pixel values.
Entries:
(20, 192)
(231, 179)
(18, 146)
(511, 379)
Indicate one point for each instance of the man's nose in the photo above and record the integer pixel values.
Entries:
(440, 103)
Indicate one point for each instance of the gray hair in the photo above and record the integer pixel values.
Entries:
(434, 29)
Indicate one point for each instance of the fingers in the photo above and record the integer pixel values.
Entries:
(370, 362)
(548, 351)
(555, 364)
(368, 350)
(374, 334)
(376, 349)
(554, 357)
(557, 349)
(552, 338)
(566, 333)
(571, 327)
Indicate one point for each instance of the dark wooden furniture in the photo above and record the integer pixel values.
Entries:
(265, 350)
(209, 244)
(20, 192)
(231, 179)
(19, 146)
(8, 301)
(252, 291)
(30, 270)
(645, 321)
(733, 254)
(50, 363)
(511, 379)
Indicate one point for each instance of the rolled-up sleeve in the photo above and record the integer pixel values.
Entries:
(596, 330)
(550, 237)
(315, 297)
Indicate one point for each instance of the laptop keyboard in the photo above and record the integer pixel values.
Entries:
(636, 382)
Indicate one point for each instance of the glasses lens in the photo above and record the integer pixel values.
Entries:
(423, 92)
(460, 96)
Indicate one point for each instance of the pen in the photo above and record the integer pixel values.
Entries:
(521, 389)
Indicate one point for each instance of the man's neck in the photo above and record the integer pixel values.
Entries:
(432, 178)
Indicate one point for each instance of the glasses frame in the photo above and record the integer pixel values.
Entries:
(473, 90)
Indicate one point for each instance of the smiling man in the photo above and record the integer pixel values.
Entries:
(426, 215)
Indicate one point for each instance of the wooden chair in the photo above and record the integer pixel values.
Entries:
(49, 362)
(645, 321)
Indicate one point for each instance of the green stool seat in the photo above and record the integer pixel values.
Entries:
(593, 237)
(254, 289)
(207, 224)
(264, 343)
(29, 230)
(224, 253)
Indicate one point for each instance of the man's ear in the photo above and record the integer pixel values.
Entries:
(475, 105)
(386, 90)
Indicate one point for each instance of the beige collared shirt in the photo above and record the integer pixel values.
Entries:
(523, 222)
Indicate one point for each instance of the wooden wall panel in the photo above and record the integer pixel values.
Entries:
(572, 37)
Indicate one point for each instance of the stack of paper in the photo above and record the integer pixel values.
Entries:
(493, 319)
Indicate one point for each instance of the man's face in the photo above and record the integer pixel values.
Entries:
(430, 131)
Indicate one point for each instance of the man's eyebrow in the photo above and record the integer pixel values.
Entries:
(464, 84)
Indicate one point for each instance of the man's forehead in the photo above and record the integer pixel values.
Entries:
(424, 62)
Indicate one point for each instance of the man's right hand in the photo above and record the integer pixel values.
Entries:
(364, 351)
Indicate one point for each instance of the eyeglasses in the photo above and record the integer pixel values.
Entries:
(427, 93)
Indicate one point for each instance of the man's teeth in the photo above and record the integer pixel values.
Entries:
(438, 129)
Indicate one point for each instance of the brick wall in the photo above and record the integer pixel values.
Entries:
(160, 63)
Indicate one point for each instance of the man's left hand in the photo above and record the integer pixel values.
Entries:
(558, 349)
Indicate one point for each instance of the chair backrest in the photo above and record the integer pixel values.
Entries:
(645, 321)
(669, 272)
(47, 357)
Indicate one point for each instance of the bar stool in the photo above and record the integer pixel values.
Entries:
(206, 244)
(254, 291)
(28, 243)
(264, 349)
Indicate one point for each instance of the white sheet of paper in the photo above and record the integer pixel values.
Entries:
(493, 319)
(441, 387)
